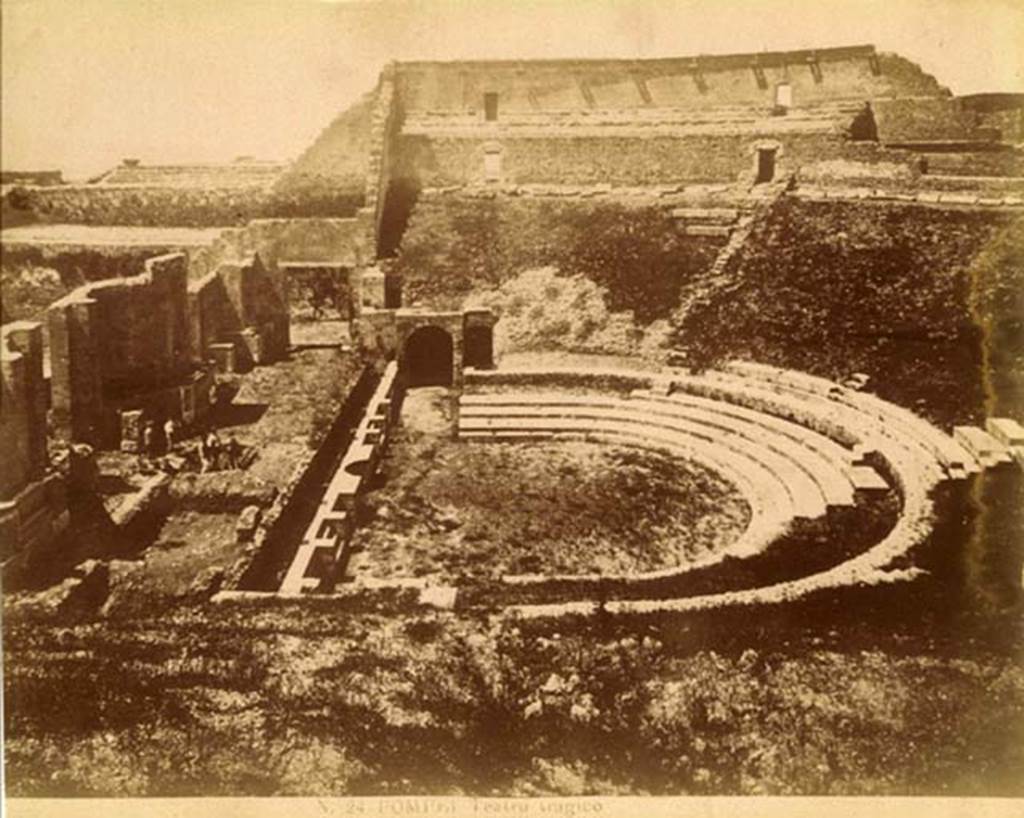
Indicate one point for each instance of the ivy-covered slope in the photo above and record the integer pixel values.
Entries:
(454, 246)
(901, 293)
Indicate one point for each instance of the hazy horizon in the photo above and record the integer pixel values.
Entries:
(87, 84)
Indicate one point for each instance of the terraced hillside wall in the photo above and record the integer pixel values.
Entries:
(912, 295)
(457, 245)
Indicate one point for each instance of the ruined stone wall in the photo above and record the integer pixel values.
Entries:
(258, 299)
(619, 160)
(115, 336)
(33, 502)
(689, 82)
(342, 241)
(923, 120)
(337, 162)
(23, 408)
(143, 206)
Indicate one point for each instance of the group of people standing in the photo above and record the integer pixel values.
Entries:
(160, 440)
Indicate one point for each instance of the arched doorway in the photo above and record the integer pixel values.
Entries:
(427, 357)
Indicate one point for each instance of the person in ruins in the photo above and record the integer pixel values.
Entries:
(232, 451)
(149, 440)
(209, 451)
(171, 433)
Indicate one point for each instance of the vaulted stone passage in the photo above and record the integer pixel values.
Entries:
(427, 357)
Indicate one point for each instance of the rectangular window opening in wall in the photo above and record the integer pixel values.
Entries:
(491, 106)
(783, 96)
(765, 165)
(492, 166)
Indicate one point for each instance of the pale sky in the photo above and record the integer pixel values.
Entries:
(88, 82)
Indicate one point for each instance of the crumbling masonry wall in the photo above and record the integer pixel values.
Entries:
(115, 342)
(33, 505)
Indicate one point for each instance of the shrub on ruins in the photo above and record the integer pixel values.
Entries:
(454, 246)
(28, 289)
(542, 310)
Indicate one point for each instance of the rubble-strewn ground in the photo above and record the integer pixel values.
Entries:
(485, 509)
(305, 699)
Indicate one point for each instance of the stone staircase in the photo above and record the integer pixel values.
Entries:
(735, 224)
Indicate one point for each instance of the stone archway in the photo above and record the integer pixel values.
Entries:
(428, 357)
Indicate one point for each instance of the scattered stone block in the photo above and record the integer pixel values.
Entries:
(223, 357)
(207, 583)
(248, 520)
(708, 230)
(865, 478)
(131, 431)
(83, 592)
(438, 596)
(958, 198)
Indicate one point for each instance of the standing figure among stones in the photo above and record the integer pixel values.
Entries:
(209, 451)
(149, 440)
(232, 451)
(171, 433)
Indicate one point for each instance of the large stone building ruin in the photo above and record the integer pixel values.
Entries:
(726, 153)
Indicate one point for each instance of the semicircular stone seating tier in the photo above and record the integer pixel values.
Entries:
(793, 444)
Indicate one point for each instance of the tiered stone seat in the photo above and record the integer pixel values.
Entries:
(953, 457)
(770, 426)
(639, 420)
(827, 464)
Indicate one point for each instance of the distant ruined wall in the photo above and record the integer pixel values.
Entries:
(824, 75)
(141, 206)
(619, 160)
(342, 241)
(924, 120)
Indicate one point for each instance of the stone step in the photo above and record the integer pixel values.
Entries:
(707, 230)
(716, 215)
(989, 451)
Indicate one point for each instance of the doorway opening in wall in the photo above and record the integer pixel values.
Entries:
(477, 347)
(765, 165)
(491, 106)
(427, 357)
